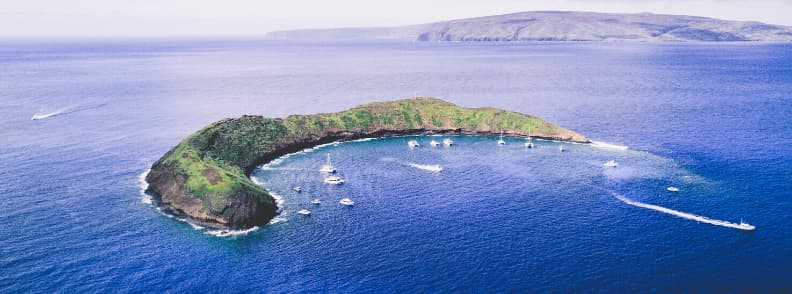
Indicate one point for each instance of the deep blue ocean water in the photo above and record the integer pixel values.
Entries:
(712, 119)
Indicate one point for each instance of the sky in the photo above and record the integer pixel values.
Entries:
(119, 18)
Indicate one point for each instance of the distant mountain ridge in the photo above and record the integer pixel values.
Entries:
(561, 26)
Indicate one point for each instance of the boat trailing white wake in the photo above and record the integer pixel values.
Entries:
(40, 115)
(690, 216)
(427, 167)
(65, 110)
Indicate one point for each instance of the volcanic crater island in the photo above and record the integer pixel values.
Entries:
(206, 177)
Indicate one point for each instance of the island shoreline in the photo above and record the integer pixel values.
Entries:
(207, 176)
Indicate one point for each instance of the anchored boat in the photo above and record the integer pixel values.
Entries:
(328, 167)
(333, 180)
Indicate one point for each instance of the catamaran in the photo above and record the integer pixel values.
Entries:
(328, 167)
(500, 141)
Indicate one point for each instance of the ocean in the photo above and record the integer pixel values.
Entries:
(714, 120)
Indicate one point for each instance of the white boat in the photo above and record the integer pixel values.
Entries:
(413, 144)
(434, 143)
(672, 189)
(448, 142)
(529, 142)
(333, 180)
(316, 201)
(611, 163)
(500, 141)
(298, 189)
(328, 167)
(561, 148)
(304, 212)
(347, 201)
(745, 226)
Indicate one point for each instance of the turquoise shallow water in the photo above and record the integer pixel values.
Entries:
(713, 120)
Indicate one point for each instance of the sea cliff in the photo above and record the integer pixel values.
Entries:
(206, 176)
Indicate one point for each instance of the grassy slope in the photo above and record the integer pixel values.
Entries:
(227, 148)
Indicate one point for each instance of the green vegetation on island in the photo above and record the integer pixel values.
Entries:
(206, 176)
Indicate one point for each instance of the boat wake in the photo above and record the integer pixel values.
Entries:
(427, 167)
(40, 115)
(690, 216)
(604, 145)
(65, 110)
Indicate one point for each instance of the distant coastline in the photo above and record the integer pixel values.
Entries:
(536, 26)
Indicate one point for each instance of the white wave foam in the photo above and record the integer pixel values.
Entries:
(276, 220)
(558, 141)
(431, 168)
(604, 145)
(690, 216)
(279, 200)
(143, 186)
(230, 233)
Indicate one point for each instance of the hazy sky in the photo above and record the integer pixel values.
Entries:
(32, 18)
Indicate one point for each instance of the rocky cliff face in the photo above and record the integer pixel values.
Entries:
(205, 177)
(563, 26)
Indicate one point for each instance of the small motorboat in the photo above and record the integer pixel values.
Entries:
(672, 189)
(333, 180)
(347, 201)
(413, 144)
(297, 189)
(561, 148)
(448, 142)
(434, 143)
(316, 201)
(745, 226)
(304, 212)
(611, 163)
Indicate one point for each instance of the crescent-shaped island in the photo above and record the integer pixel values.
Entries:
(206, 176)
